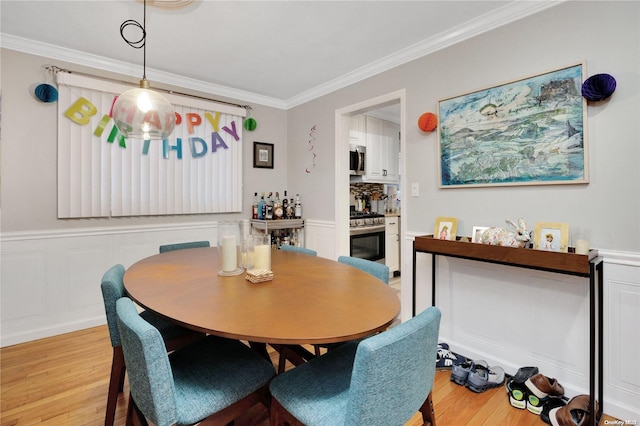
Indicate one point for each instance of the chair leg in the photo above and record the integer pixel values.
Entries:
(134, 415)
(116, 383)
(428, 415)
(282, 361)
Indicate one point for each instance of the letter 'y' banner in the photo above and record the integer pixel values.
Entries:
(198, 169)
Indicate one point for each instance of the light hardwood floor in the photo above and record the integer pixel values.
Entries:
(63, 380)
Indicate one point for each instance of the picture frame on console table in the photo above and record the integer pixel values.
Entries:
(446, 228)
(551, 236)
(476, 236)
(530, 131)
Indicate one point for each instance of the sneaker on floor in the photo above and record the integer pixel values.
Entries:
(446, 358)
(516, 388)
(552, 403)
(482, 378)
(540, 388)
(460, 372)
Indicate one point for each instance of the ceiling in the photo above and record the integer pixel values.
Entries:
(278, 53)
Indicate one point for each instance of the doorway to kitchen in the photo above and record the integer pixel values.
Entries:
(389, 107)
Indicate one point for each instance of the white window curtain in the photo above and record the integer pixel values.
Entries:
(100, 174)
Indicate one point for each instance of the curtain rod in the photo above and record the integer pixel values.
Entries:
(55, 69)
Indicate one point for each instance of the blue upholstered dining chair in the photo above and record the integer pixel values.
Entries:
(182, 246)
(303, 250)
(214, 378)
(382, 380)
(376, 269)
(112, 287)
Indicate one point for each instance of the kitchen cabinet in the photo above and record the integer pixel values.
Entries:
(357, 131)
(392, 244)
(383, 151)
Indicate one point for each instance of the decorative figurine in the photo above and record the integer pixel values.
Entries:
(517, 236)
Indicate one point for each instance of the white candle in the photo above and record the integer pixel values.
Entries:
(229, 253)
(262, 257)
(582, 247)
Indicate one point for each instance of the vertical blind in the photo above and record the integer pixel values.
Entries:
(198, 169)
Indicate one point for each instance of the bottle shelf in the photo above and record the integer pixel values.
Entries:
(266, 225)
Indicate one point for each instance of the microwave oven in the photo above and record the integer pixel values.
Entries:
(357, 156)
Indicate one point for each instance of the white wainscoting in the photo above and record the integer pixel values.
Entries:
(513, 317)
(321, 237)
(50, 282)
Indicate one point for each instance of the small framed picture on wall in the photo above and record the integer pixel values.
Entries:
(262, 155)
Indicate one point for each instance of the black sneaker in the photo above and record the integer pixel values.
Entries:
(517, 389)
(551, 403)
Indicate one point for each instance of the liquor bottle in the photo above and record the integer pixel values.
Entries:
(262, 208)
(254, 206)
(277, 207)
(285, 204)
(269, 208)
(298, 207)
(291, 212)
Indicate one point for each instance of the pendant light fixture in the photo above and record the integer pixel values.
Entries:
(141, 113)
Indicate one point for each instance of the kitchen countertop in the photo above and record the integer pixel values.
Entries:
(390, 214)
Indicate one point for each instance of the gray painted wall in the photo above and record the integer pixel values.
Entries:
(605, 35)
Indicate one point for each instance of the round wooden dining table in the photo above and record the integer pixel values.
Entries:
(311, 300)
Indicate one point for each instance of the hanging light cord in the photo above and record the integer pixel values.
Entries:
(142, 42)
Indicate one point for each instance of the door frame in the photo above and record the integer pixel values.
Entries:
(342, 117)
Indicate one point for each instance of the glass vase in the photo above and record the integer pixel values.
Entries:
(229, 248)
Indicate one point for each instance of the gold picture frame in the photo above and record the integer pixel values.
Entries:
(476, 236)
(446, 228)
(551, 236)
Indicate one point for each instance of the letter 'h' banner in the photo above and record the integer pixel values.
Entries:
(198, 169)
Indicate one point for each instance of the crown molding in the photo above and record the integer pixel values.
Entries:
(8, 41)
(507, 14)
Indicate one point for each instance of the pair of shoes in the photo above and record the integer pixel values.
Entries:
(477, 375)
(482, 378)
(517, 389)
(541, 388)
(460, 372)
(574, 413)
(447, 359)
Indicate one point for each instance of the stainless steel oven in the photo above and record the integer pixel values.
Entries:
(367, 236)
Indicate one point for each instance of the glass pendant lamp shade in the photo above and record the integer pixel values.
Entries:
(144, 114)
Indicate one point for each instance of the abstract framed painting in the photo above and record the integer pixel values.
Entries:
(530, 131)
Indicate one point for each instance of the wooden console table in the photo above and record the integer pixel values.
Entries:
(588, 266)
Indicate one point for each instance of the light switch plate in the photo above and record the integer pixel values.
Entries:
(415, 189)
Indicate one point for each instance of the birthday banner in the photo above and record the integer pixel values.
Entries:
(198, 169)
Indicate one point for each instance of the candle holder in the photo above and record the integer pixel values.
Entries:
(229, 244)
